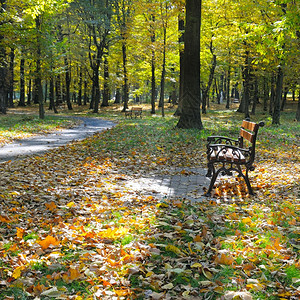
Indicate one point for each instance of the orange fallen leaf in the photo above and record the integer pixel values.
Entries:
(224, 260)
(20, 232)
(51, 206)
(49, 240)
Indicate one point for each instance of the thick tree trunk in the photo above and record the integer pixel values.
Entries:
(22, 82)
(190, 116)
(278, 95)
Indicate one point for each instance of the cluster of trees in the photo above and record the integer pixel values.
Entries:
(91, 51)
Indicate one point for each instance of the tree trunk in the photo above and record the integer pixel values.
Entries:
(283, 103)
(153, 82)
(228, 85)
(38, 79)
(11, 78)
(68, 83)
(29, 91)
(272, 96)
(106, 91)
(163, 73)
(246, 85)
(265, 93)
(210, 80)
(118, 96)
(298, 109)
(22, 82)
(51, 95)
(181, 56)
(79, 99)
(125, 75)
(278, 95)
(58, 93)
(190, 116)
(255, 97)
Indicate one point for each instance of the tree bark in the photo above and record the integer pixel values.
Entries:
(11, 78)
(22, 82)
(278, 95)
(106, 91)
(298, 109)
(38, 78)
(125, 75)
(210, 80)
(190, 116)
(153, 82)
(181, 56)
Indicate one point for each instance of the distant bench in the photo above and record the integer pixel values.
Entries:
(226, 155)
(134, 112)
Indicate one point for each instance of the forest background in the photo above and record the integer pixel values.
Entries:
(99, 52)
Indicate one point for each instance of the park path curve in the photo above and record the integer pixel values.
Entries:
(42, 143)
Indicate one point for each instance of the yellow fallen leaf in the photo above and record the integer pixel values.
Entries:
(196, 265)
(173, 249)
(247, 220)
(17, 272)
(70, 204)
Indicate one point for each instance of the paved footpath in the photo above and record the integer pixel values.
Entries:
(163, 186)
(42, 143)
(189, 186)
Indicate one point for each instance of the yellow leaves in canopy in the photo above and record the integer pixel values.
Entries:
(49, 240)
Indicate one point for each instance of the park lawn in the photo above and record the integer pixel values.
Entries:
(72, 228)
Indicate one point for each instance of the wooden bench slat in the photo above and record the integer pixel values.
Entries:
(249, 125)
(247, 135)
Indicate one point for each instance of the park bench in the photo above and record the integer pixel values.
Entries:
(226, 155)
(134, 112)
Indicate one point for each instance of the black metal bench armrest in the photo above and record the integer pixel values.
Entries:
(221, 140)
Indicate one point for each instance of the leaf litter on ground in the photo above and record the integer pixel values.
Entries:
(72, 229)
